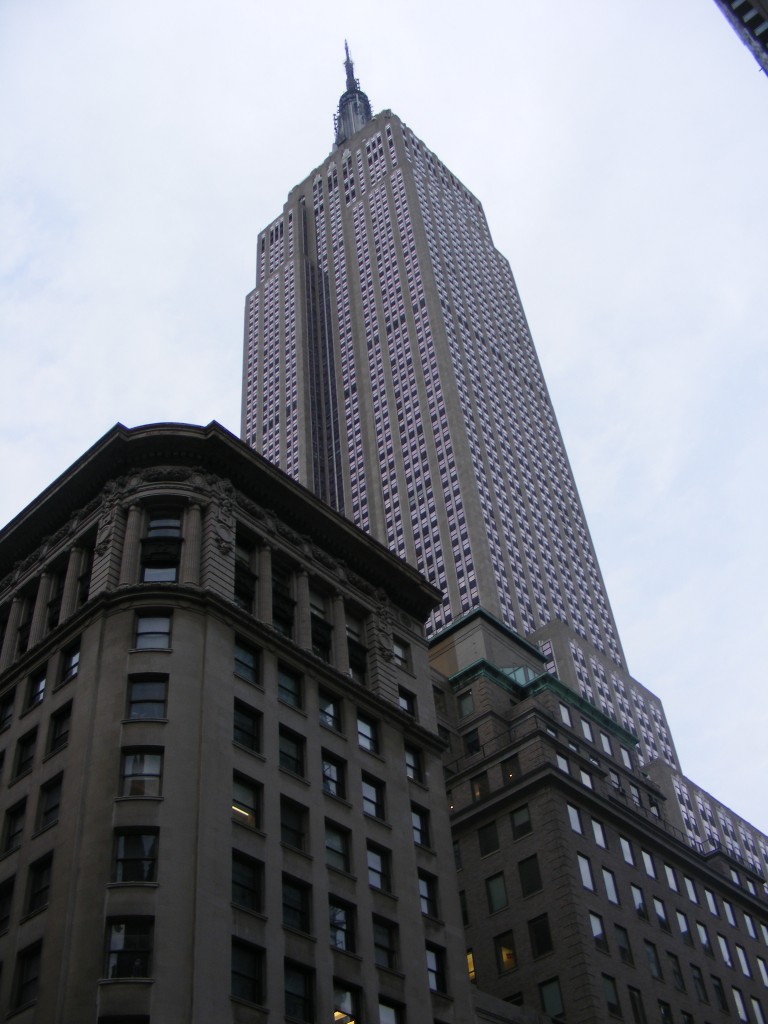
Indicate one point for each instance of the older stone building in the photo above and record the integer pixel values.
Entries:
(222, 789)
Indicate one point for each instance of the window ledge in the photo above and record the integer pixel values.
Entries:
(132, 885)
(126, 981)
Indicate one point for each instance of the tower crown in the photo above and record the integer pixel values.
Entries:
(354, 106)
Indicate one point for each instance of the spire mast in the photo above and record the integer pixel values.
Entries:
(354, 108)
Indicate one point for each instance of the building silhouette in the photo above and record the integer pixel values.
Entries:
(388, 366)
(749, 19)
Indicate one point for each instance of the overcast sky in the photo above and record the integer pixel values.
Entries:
(621, 153)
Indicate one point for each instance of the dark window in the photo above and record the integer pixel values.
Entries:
(322, 630)
(488, 838)
(698, 984)
(49, 803)
(58, 728)
(6, 709)
(246, 801)
(147, 696)
(341, 922)
(336, 847)
(622, 941)
(611, 996)
(141, 772)
(428, 894)
(496, 892)
(385, 943)
(551, 997)
(665, 1012)
(283, 604)
(330, 710)
(436, 968)
(510, 769)
(35, 690)
(296, 904)
(291, 751)
(161, 547)
(246, 662)
(26, 982)
(245, 579)
(420, 825)
(521, 822)
(289, 687)
(540, 936)
(39, 883)
(636, 1004)
(135, 856)
(6, 900)
(129, 947)
(373, 797)
(25, 753)
(471, 742)
(479, 786)
(299, 992)
(246, 726)
(506, 956)
(677, 974)
(530, 876)
(70, 663)
(379, 868)
(293, 824)
(717, 988)
(153, 632)
(334, 781)
(247, 972)
(247, 881)
(358, 652)
(653, 960)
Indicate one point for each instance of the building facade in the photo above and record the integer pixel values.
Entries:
(222, 789)
(388, 366)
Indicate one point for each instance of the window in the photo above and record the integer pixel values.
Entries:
(605, 742)
(706, 945)
(471, 741)
(626, 850)
(336, 847)
(289, 689)
(750, 925)
(247, 881)
(49, 803)
(574, 817)
(741, 1008)
(334, 775)
(609, 880)
(414, 764)
(246, 662)
(763, 968)
(729, 914)
(406, 701)
(510, 769)
(465, 704)
(247, 972)
(26, 982)
(401, 655)
(420, 824)
(58, 728)
(690, 888)
(479, 786)
(373, 797)
(147, 696)
(161, 548)
(530, 875)
(245, 578)
(389, 1014)
(428, 894)
(283, 604)
(246, 801)
(757, 1010)
(611, 996)
(698, 983)
(586, 730)
(709, 896)
(436, 968)
(652, 957)
(521, 822)
(599, 833)
(141, 772)
(626, 757)
(321, 628)
(135, 855)
(565, 715)
(384, 943)
(330, 710)
(379, 868)
(367, 734)
(496, 892)
(634, 792)
(665, 1012)
(35, 690)
(25, 753)
(598, 932)
(129, 947)
(551, 998)
(636, 1004)
(6, 900)
(346, 1003)
(562, 763)
(39, 884)
(717, 988)
(725, 950)
(540, 936)
(669, 871)
(622, 943)
(661, 914)
(585, 871)
(6, 709)
(70, 663)
(650, 867)
(293, 824)
(638, 901)
(291, 751)
(246, 726)
(358, 652)
(341, 921)
(488, 838)
(685, 929)
(153, 632)
(296, 904)
(506, 956)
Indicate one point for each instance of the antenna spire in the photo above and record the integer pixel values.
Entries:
(354, 108)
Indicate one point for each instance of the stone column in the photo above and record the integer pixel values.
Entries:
(8, 652)
(340, 655)
(129, 566)
(40, 613)
(71, 584)
(190, 552)
(303, 613)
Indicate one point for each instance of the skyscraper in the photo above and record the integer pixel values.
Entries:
(388, 366)
(749, 19)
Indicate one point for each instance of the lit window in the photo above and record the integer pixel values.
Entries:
(246, 801)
